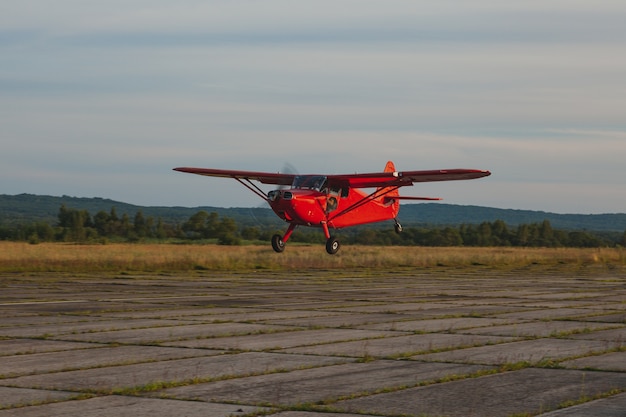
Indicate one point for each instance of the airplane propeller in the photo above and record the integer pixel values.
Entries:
(288, 168)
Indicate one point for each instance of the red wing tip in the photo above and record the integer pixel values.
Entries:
(483, 172)
(478, 171)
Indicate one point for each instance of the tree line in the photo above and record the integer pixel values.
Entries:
(75, 225)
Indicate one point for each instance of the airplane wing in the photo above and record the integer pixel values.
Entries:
(263, 177)
(405, 178)
(371, 180)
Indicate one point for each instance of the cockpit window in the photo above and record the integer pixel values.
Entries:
(309, 182)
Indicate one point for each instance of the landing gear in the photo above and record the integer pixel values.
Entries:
(397, 226)
(332, 245)
(277, 243)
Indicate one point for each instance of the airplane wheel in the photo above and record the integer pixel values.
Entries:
(398, 228)
(277, 243)
(332, 246)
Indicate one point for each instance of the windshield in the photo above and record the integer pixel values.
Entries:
(309, 182)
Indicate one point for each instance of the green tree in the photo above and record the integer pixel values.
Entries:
(142, 226)
(500, 233)
(196, 226)
(226, 232)
(522, 236)
(101, 222)
(124, 226)
(452, 236)
(469, 234)
(75, 224)
(161, 229)
(546, 234)
(250, 233)
(485, 236)
(366, 237)
(581, 239)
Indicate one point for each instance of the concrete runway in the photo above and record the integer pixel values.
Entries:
(314, 344)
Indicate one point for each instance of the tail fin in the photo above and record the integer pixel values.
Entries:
(388, 193)
(390, 167)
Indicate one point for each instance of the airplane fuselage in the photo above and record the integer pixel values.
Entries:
(318, 206)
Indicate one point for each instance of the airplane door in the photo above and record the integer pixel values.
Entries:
(332, 199)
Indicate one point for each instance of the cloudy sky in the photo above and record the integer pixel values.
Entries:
(103, 99)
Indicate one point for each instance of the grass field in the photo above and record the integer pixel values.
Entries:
(163, 258)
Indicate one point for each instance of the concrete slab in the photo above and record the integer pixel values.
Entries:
(615, 361)
(385, 307)
(608, 318)
(566, 296)
(430, 310)
(341, 320)
(314, 414)
(85, 326)
(437, 325)
(565, 303)
(272, 316)
(614, 406)
(321, 385)
(84, 307)
(529, 391)
(171, 333)
(116, 406)
(317, 304)
(542, 329)
(179, 370)
(400, 346)
(41, 320)
(208, 314)
(551, 314)
(41, 363)
(617, 335)
(616, 298)
(21, 397)
(10, 347)
(532, 351)
(335, 334)
(283, 340)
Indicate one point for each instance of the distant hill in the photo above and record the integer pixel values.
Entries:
(28, 208)
(449, 214)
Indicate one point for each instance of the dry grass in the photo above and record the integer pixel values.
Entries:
(157, 258)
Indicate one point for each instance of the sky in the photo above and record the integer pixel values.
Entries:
(103, 99)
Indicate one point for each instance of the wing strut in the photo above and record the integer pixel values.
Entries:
(252, 187)
(381, 192)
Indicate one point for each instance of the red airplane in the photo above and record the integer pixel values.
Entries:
(336, 201)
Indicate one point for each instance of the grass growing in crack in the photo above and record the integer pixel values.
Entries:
(155, 386)
(390, 389)
(586, 398)
(518, 366)
(77, 397)
(582, 399)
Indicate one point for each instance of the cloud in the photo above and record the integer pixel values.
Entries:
(105, 98)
